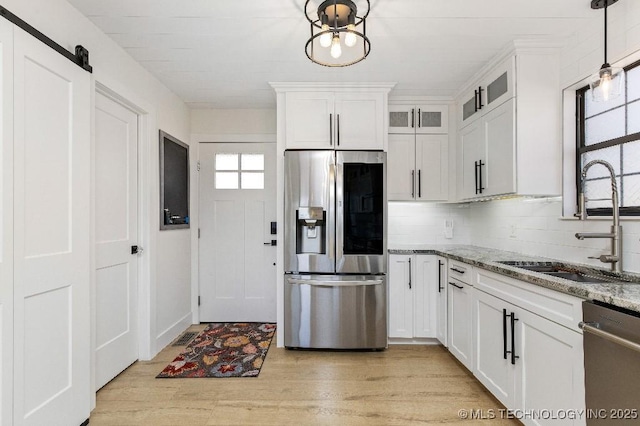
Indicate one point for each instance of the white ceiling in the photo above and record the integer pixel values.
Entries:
(222, 54)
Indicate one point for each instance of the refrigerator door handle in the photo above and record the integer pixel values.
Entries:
(331, 283)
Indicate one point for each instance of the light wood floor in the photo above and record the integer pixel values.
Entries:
(403, 385)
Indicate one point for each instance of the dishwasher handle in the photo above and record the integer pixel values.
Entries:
(592, 327)
(332, 283)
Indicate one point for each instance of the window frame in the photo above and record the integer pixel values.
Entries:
(582, 148)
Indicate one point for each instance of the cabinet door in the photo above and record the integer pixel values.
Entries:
(468, 108)
(460, 322)
(432, 167)
(441, 301)
(472, 142)
(401, 168)
(401, 277)
(493, 366)
(550, 372)
(498, 176)
(432, 119)
(310, 120)
(402, 119)
(425, 290)
(499, 85)
(359, 121)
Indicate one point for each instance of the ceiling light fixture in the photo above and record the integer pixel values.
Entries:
(608, 82)
(334, 23)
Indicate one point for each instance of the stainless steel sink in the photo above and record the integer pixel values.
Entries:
(559, 270)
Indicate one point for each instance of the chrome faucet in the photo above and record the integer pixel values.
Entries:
(615, 258)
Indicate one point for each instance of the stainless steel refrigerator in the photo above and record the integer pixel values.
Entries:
(335, 252)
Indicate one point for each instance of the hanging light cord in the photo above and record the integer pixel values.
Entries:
(606, 4)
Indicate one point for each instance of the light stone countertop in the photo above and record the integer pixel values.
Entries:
(624, 293)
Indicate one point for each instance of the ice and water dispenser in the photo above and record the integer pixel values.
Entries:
(311, 230)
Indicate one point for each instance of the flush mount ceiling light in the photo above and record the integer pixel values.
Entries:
(338, 33)
(608, 82)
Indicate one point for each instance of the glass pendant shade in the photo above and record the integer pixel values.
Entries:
(607, 84)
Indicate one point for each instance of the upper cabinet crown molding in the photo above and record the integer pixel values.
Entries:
(533, 46)
(283, 87)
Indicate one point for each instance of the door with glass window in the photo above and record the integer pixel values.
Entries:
(237, 194)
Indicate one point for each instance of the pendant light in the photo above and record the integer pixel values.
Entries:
(338, 32)
(608, 83)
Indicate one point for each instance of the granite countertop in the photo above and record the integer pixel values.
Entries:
(624, 292)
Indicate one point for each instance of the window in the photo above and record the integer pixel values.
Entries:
(610, 131)
(239, 171)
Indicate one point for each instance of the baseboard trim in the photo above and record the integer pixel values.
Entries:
(413, 341)
(172, 332)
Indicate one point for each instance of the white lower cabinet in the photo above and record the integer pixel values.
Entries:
(413, 289)
(532, 365)
(441, 301)
(460, 330)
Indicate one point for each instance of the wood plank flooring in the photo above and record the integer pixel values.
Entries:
(404, 385)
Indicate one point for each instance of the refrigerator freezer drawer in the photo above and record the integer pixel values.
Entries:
(335, 312)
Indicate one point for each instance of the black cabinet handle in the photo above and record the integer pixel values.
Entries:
(455, 285)
(460, 271)
(330, 129)
(504, 334)
(419, 185)
(513, 338)
(338, 127)
(476, 170)
(480, 90)
(440, 265)
(419, 117)
(409, 273)
(413, 183)
(480, 187)
(413, 118)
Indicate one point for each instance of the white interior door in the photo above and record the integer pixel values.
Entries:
(6, 223)
(52, 117)
(116, 198)
(237, 204)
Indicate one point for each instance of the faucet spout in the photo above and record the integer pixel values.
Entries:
(615, 258)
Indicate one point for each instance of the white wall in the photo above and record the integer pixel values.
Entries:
(416, 223)
(167, 253)
(223, 125)
(535, 227)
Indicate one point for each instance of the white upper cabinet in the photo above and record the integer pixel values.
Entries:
(331, 116)
(420, 118)
(509, 122)
(418, 155)
(489, 92)
(309, 120)
(418, 167)
(359, 121)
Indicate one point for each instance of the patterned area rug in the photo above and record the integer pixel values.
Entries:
(224, 350)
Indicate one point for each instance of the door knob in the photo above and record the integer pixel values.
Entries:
(271, 243)
(136, 249)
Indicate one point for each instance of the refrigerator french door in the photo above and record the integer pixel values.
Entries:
(335, 249)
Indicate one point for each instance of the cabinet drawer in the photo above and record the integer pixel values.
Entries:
(558, 307)
(460, 271)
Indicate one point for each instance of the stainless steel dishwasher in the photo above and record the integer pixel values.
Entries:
(612, 364)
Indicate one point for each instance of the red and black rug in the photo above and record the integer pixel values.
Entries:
(224, 350)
